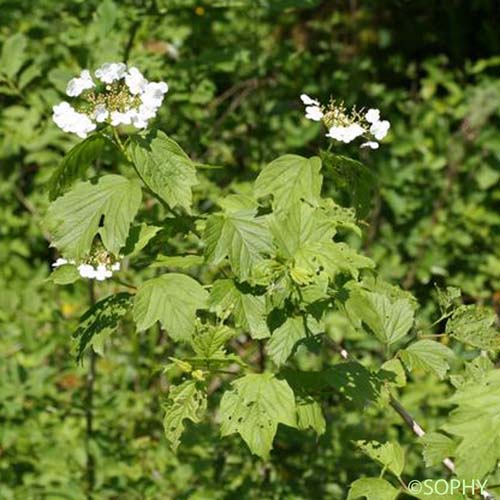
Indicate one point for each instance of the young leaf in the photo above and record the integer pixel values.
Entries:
(290, 178)
(75, 163)
(474, 325)
(75, 218)
(372, 488)
(172, 299)
(164, 167)
(427, 355)
(254, 407)
(185, 401)
(241, 237)
(100, 321)
(249, 310)
(210, 342)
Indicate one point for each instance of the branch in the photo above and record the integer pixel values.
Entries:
(411, 422)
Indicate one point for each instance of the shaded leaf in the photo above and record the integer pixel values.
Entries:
(100, 321)
(75, 163)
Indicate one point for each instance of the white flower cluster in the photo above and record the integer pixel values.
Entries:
(121, 96)
(345, 127)
(100, 272)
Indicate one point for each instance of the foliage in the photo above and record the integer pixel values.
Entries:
(260, 329)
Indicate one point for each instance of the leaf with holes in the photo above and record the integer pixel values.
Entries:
(249, 310)
(185, 401)
(254, 407)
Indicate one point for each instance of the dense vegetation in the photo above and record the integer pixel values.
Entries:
(285, 302)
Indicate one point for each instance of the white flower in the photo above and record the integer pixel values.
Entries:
(118, 118)
(59, 262)
(69, 120)
(314, 113)
(153, 93)
(346, 134)
(116, 266)
(100, 113)
(372, 115)
(110, 72)
(380, 129)
(102, 272)
(87, 271)
(77, 85)
(309, 101)
(370, 144)
(135, 82)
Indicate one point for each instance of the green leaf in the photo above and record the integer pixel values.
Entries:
(249, 310)
(427, 355)
(310, 415)
(209, 342)
(185, 401)
(100, 321)
(164, 167)
(64, 275)
(333, 258)
(172, 299)
(372, 488)
(290, 178)
(13, 55)
(476, 421)
(254, 407)
(179, 261)
(240, 236)
(389, 320)
(394, 369)
(284, 338)
(304, 234)
(352, 176)
(390, 455)
(437, 447)
(74, 219)
(138, 238)
(475, 326)
(75, 163)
